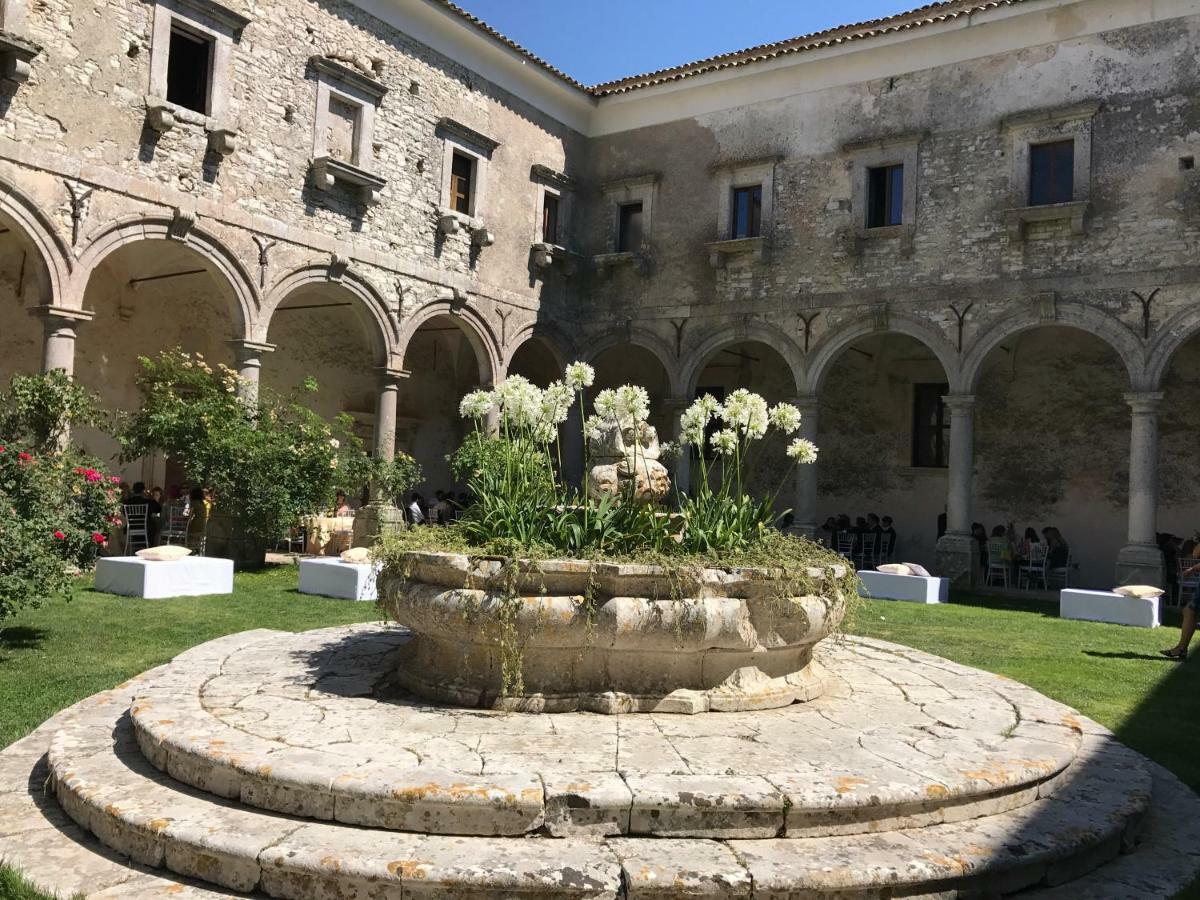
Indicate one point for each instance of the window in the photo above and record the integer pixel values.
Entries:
(885, 196)
(1052, 173)
(931, 427)
(629, 228)
(550, 218)
(747, 212)
(462, 171)
(189, 68)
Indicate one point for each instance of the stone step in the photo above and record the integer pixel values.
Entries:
(294, 724)
(105, 785)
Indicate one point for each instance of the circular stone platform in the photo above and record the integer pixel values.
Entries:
(289, 765)
(309, 725)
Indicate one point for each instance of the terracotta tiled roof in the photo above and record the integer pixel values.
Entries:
(932, 14)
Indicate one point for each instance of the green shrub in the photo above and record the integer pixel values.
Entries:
(265, 464)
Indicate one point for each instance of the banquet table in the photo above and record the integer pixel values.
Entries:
(328, 534)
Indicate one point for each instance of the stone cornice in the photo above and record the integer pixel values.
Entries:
(348, 76)
(538, 172)
(467, 134)
(883, 142)
(1085, 110)
(219, 13)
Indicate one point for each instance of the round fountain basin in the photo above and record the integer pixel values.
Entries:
(561, 635)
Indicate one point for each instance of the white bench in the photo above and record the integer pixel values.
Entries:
(1105, 606)
(192, 576)
(913, 588)
(342, 580)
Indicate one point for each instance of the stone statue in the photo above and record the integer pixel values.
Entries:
(628, 456)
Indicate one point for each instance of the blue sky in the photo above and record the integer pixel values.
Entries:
(600, 41)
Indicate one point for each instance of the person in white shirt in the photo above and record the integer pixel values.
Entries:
(416, 515)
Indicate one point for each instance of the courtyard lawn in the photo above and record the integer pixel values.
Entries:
(52, 657)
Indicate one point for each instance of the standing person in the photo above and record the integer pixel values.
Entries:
(1187, 627)
(416, 510)
(888, 536)
(153, 509)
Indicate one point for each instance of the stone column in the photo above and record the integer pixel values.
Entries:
(58, 344)
(682, 474)
(248, 362)
(385, 413)
(957, 554)
(381, 515)
(1140, 561)
(805, 509)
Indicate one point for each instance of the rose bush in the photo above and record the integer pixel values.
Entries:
(56, 504)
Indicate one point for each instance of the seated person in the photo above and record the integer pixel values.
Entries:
(1057, 551)
(341, 506)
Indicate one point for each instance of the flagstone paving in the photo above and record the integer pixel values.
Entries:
(242, 765)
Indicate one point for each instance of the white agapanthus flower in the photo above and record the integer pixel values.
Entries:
(802, 451)
(520, 401)
(785, 417)
(725, 441)
(556, 403)
(580, 375)
(592, 427)
(606, 404)
(746, 412)
(476, 405)
(633, 404)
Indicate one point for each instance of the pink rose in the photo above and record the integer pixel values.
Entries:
(24, 457)
(97, 537)
(94, 476)
(58, 535)
(115, 479)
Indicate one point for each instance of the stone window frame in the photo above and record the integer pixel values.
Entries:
(223, 28)
(465, 141)
(336, 81)
(727, 177)
(1042, 126)
(614, 195)
(548, 182)
(874, 153)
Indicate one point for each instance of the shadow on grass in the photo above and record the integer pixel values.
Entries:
(1129, 654)
(21, 637)
(1035, 605)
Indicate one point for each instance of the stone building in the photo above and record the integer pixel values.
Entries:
(962, 239)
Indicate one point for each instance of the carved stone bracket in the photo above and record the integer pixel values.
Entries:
(264, 248)
(338, 265)
(182, 223)
(1146, 302)
(1047, 304)
(879, 316)
(327, 171)
(223, 141)
(545, 256)
(16, 57)
(79, 198)
(160, 116)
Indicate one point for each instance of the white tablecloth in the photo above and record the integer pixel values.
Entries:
(334, 578)
(192, 576)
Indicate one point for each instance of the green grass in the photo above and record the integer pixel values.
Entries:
(52, 657)
(63, 652)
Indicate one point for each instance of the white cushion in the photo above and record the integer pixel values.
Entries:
(166, 553)
(918, 569)
(895, 569)
(357, 555)
(1140, 591)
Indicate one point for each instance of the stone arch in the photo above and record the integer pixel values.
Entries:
(369, 305)
(1121, 338)
(209, 247)
(638, 337)
(831, 346)
(557, 343)
(756, 332)
(54, 252)
(1176, 332)
(476, 328)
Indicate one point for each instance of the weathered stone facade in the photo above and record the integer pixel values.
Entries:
(1065, 325)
